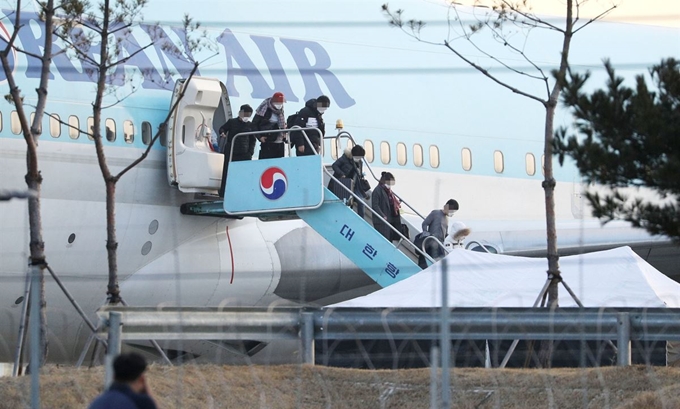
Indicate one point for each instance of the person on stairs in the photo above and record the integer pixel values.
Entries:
(386, 205)
(436, 224)
(269, 116)
(350, 166)
(243, 146)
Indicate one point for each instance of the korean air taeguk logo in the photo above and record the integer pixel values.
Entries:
(273, 183)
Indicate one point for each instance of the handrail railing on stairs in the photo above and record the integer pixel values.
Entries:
(403, 239)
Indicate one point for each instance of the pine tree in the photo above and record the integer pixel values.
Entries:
(628, 137)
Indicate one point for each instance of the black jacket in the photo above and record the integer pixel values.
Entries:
(297, 139)
(261, 123)
(345, 167)
(244, 146)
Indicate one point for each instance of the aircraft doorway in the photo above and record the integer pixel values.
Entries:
(193, 166)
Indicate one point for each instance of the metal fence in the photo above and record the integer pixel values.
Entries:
(310, 325)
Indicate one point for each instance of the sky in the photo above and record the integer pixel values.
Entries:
(650, 12)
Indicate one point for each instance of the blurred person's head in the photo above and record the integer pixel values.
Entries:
(387, 179)
(450, 207)
(129, 369)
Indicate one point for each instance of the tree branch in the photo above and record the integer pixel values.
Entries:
(531, 18)
(124, 60)
(496, 80)
(161, 129)
(17, 27)
(598, 17)
(506, 43)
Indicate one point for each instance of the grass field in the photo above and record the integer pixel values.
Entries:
(207, 386)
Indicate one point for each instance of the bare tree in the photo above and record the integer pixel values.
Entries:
(31, 133)
(495, 20)
(106, 26)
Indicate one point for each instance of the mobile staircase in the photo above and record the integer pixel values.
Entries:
(293, 187)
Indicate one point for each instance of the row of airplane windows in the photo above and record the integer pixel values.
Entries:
(385, 154)
(55, 128)
(74, 132)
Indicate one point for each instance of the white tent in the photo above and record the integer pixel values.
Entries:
(613, 278)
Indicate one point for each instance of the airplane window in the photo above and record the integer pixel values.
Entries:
(418, 155)
(368, 147)
(466, 158)
(110, 130)
(74, 127)
(128, 131)
(498, 164)
(14, 123)
(350, 144)
(434, 156)
(90, 127)
(0, 121)
(385, 152)
(334, 148)
(401, 154)
(55, 126)
(530, 162)
(146, 133)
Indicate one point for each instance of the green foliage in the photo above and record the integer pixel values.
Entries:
(628, 137)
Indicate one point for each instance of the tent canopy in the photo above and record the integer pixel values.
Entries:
(612, 278)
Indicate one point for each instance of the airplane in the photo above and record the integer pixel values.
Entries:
(443, 130)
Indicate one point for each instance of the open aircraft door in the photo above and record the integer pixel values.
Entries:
(193, 165)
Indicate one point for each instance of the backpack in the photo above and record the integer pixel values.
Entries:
(291, 121)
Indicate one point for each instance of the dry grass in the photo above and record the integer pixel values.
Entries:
(193, 386)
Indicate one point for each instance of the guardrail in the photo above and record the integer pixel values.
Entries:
(308, 325)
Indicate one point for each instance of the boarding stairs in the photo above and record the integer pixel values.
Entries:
(294, 187)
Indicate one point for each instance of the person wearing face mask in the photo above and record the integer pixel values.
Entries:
(311, 116)
(243, 146)
(350, 166)
(269, 116)
(386, 205)
(436, 224)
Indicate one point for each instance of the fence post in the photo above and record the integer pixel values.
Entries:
(307, 337)
(35, 340)
(115, 328)
(623, 357)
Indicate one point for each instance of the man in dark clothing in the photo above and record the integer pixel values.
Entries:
(350, 165)
(129, 389)
(269, 116)
(311, 116)
(243, 146)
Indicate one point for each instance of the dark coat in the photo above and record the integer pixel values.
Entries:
(261, 123)
(244, 145)
(297, 139)
(345, 167)
(120, 396)
(380, 202)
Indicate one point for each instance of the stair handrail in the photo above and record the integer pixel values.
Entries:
(439, 243)
(296, 128)
(350, 137)
(370, 209)
(480, 244)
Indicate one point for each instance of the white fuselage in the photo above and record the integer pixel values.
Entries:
(399, 99)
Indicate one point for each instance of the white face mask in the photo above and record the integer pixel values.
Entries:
(245, 119)
(390, 184)
(451, 213)
(278, 106)
(357, 159)
(322, 109)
